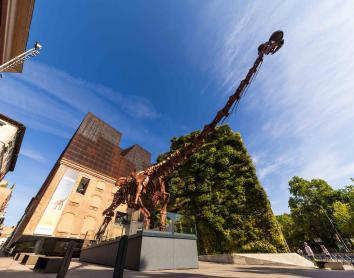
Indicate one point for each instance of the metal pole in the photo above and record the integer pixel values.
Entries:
(120, 260)
(21, 58)
(66, 260)
(334, 228)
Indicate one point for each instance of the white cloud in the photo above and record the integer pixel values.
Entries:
(303, 96)
(329, 166)
(74, 91)
(313, 106)
(255, 158)
(35, 102)
(53, 101)
(32, 154)
(271, 166)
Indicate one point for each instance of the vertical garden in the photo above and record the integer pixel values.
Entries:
(218, 185)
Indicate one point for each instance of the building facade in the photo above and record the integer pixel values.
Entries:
(81, 185)
(11, 135)
(5, 195)
(5, 232)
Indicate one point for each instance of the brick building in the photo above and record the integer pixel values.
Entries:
(80, 186)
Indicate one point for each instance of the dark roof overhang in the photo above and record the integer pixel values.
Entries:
(15, 22)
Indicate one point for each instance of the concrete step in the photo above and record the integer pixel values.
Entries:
(290, 259)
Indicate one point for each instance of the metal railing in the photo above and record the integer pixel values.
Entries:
(21, 58)
(345, 258)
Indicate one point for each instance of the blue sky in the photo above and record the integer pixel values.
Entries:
(158, 69)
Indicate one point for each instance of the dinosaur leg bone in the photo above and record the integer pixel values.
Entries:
(103, 228)
(165, 198)
(146, 213)
(141, 182)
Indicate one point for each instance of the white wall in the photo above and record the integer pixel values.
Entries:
(8, 135)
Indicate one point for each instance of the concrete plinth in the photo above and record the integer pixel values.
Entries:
(48, 264)
(30, 259)
(148, 251)
(337, 266)
(21, 256)
(17, 255)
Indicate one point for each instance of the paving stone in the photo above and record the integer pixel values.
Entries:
(10, 268)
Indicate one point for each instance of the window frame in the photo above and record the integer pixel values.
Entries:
(83, 185)
(122, 217)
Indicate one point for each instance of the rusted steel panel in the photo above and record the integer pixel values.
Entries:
(95, 145)
(139, 156)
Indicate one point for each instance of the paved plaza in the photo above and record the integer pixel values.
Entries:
(12, 269)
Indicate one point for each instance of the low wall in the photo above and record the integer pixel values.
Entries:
(104, 253)
(220, 258)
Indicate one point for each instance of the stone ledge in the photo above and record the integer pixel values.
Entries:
(271, 259)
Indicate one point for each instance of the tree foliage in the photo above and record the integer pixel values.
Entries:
(343, 212)
(316, 212)
(343, 215)
(219, 186)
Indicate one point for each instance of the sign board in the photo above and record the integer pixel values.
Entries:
(52, 213)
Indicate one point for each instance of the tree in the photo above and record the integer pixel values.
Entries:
(343, 215)
(317, 212)
(309, 202)
(343, 211)
(288, 228)
(218, 185)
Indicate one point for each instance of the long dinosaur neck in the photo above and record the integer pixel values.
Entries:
(176, 158)
(165, 167)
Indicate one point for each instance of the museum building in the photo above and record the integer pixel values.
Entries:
(78, 189)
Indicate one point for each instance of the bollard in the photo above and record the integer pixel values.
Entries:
(120, 260)
(66, 260)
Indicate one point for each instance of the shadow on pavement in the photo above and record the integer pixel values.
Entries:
(87, 273)
(23, 274)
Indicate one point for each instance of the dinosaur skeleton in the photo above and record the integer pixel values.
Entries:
(146, 190)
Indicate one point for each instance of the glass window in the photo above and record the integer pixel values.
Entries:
(83, 185)
(121, 218)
